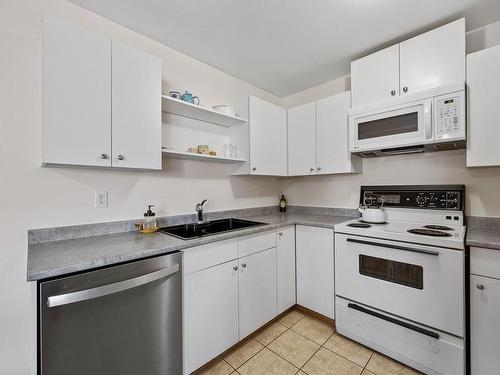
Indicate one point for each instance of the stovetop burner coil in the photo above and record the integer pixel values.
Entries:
(359, 225)
(429, 232)
(437, 227)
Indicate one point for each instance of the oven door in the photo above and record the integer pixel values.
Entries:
(421, 283)
(404, 125)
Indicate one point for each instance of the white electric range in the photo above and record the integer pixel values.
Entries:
(400, 285)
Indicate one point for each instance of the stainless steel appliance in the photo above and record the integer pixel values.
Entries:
(431, 120)
(125, 319)
(400, 285)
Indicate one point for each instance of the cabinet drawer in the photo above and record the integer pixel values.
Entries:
(200, 257)
(485, 262)
(257, 242)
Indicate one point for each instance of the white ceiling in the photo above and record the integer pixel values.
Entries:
(285, 46)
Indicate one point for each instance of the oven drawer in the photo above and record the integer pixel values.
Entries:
(420, 283)
(401, 339)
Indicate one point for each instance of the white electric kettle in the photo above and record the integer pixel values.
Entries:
(373, 214)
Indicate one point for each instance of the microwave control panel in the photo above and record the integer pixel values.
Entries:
(449, 112)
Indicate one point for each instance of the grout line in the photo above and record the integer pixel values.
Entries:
(369, 359)
(258, 351)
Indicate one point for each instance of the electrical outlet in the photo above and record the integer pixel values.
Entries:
(101, 199)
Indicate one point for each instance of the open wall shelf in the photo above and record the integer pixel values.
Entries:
(196, 112)
(193, 156)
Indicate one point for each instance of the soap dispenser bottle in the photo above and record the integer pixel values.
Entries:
(149, 222)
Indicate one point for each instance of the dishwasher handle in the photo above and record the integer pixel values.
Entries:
(84, 295)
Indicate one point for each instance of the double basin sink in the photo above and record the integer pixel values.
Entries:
(208, 228)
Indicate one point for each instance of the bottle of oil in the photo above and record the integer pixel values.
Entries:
(283, 204)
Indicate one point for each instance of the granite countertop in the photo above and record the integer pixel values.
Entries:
(481, 237)
(57, 258)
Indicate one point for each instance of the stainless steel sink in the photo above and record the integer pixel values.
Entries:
(208, 228)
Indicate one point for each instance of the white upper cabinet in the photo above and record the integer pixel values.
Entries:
(483, 111)
(375, 78)
(76, 95)
(332, 126)
(318, 141)
(136, 108)
(101, 100)
(433, 59)
(268, 139)
(302, 140)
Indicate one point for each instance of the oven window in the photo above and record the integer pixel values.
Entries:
(390, 270)
(388, 126)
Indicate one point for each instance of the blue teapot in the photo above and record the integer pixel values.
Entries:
(188, 97)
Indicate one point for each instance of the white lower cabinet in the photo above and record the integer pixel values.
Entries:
(484, 309)
(285, 268)
(257, 290)
(315, 281)
(210, 313)
(229, 291)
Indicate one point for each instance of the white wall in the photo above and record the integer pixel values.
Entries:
(32, 196)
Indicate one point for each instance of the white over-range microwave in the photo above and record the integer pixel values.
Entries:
(433, 120)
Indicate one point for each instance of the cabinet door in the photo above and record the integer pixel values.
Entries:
(285, 258)
(302, 140)
(210, 313)
(136, 108)
(433, 59)
(268, 149)
(332, 126)
(375, 78)
(76, 95)
(257, 298)
(483, 111)
(484, 325)
(315, 282)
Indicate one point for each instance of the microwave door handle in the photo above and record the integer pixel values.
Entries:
(428, 119)
(101, 291)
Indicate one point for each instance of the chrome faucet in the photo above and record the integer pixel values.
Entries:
(199, 209)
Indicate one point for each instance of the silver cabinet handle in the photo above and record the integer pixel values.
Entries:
(311, 169)
(254, 168)
(244, 265)
(480, 286)
(280, 233)
(405, 89)
(101, 291)
(120, 157)
(393, 92)
(104, 156)
(235, 268)
(319, 168)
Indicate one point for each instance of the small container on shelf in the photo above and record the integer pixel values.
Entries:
(203, 149)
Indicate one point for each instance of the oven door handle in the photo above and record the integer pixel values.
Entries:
(396, 247)
(394, 321)
(100, 291)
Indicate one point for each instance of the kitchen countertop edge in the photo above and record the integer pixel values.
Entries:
(161, 244)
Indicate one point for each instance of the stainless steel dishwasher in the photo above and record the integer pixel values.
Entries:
(125, 320)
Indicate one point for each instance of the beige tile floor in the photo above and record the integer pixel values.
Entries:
(299, 344)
